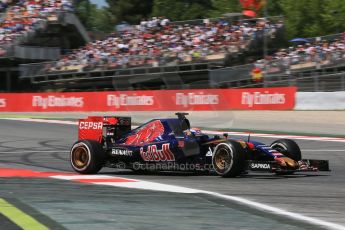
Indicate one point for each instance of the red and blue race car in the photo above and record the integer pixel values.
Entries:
(171, 144)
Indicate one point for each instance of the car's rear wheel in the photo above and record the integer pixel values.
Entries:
(228, 159)
(87, 157)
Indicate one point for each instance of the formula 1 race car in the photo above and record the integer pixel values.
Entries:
(171, 144)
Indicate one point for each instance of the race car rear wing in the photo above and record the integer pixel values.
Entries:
(97, 128)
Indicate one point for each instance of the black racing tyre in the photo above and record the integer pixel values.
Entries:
(87, 157)
(228, 159)
(288, 147)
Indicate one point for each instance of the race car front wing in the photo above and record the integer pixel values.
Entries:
(306, 165)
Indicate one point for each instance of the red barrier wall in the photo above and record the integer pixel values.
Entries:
(153, 100)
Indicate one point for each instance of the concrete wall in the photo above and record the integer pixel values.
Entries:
(320, 101)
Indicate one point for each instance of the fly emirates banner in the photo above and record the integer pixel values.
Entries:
(152, 100)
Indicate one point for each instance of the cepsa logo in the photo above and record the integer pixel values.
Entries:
(53, 101)
(154, 154)
(3, 102)
(129, 100)
(196, 99)
(266, 98)
(90, 125)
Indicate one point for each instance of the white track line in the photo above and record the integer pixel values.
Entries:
(296, 137)
(43, 121)
(146, 185)
(139, 184)
(279, 211)
(323, 150)
(81, 177)
(34, 151)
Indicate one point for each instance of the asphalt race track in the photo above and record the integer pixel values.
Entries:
(60, 204)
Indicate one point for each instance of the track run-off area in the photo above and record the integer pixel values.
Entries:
(37, 180)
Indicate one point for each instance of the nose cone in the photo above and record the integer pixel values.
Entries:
(287, 162)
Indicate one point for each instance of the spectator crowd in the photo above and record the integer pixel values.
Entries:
(4, 4)
(26, 16)
(157, 41)
(306, 55)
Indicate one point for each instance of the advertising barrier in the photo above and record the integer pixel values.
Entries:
(152, 100)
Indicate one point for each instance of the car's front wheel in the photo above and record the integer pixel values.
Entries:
(228, 159)
(288, 147)
(87, 157)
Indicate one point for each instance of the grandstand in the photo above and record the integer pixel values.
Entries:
(48, 47)
(157, 54)
(36, 31)
(317, 65)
